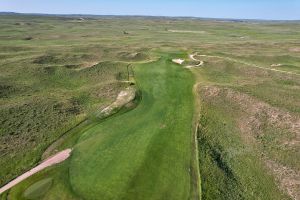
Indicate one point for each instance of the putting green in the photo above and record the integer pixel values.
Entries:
(145, 153)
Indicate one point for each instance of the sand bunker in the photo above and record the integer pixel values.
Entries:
(276, 65)
(178, 61)
(124, 97)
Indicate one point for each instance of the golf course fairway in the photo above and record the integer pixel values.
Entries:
(145, 153)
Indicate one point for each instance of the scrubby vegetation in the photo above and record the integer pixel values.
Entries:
(249, 129)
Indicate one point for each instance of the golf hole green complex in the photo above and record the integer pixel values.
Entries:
(145, 153)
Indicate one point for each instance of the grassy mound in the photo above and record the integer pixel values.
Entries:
(38, 189)
(136, 56)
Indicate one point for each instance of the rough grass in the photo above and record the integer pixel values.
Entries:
(247, 120)
(230, 168)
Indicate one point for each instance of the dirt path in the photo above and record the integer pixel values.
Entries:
(248, 64)
(195, 161)
(57, 158)
(192, 57)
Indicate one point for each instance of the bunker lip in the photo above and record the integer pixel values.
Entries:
(57, 158)
(126, 96)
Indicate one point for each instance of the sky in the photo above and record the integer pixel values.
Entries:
(238, 9)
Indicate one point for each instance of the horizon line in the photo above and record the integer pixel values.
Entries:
(133, 15)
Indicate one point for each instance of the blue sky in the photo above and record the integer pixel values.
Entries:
(250, 9)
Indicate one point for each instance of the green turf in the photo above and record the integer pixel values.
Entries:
(60, 188)
(144, 154)
(38, 190)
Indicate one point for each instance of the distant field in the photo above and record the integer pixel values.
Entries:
(56, 72)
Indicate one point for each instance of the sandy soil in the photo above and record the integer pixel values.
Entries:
(88, 65)
(276, 65)
(192, 57)
(124, 97)
(295, 49)
(57, 158)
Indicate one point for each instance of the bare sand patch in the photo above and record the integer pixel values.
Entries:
(124, 97)
(294, 49)
(276, 65)
(87, 65)
(288, 178)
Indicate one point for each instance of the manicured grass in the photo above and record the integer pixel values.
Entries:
(60, 188)
(38, 189)
(146, 153)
